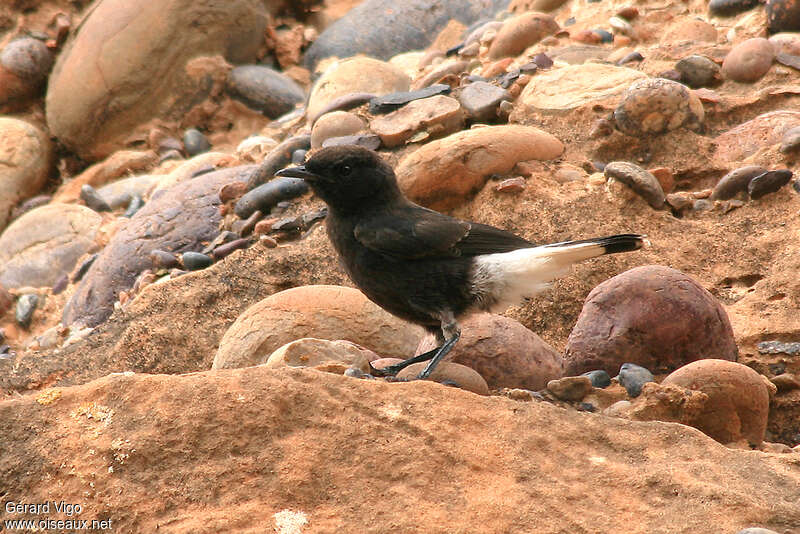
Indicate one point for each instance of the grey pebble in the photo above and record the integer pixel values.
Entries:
(136, 203)
(264, 89)
(28, 58)
(83, 268)
(769, 182)
(354, 372)
(791, 140)
(61, 284)
(277, 158)
(599, 378)
(633, 377)
(288, 224)
(702, 204)
(698, 71)
(265, 196)
(368, 141)
(790, 60)
(542, 61)
(641, 181)
(314, 216)
(299, 156)
(480, 100)
(605, 35)
(194, 261)
(735, 181)
(393, 101)
(170, 155)
(163, 259)
(779, 347)
(92, 199)
(587, 407)
(633, 56)
(195, 142)
(26, 305)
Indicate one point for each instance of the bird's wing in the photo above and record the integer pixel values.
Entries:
(415, 232)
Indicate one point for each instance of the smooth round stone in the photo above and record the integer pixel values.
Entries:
(769, 182)
(264, 197)
(92, 199)
(119, 193)
(641, 181)
(698, 71)
(28, 58)
(790, 141)
(195, 261)
(749, 60)
(735, 181)
(449, 373)
(195, 142)
(350, 76)
(788, 43)
(299, 156)
(599, 378)
(26, 305)
(335, 124)
(633, 377)
(164, 260)
(520, 32)
(225, 250)
(480, 100)
(624, 320)
(25, 156)
(729, 8)
(653, 106)
(264, 89)
(738, 399)
(311, 352)
(45, 243)
(783, 16)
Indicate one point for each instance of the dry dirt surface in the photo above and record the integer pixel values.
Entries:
(256, 449)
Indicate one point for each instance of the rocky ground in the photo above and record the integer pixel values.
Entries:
(181, 350)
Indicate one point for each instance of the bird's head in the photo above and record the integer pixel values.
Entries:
(346, 177)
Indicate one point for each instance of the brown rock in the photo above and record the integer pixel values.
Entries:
(763, 131)
(504, 352)
(655, 105)
(119, 164)
(690, 29)
(652, 316)
(664, 402)
(460, 375)
(325, 312)
(24, 66)
(570, 388)
(45, 243)
(335, 124)
(442, 173)
(440, 72)
(118, 52)
(25, 164)
(788, 43)
(738, 400)
(311, 352)
(786, 382)
(296, 435)
(639, 180)
(520, 32)
(664, 177)
(348, 76)
(438, 114)
(749, 60)
(735, 182)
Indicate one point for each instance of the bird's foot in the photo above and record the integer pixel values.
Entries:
(392, 370)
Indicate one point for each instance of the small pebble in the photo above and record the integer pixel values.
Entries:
(369, 141)
(653, 106)
(232, 191)
(265, 196)
(83, 268)
(195, 142)
(314, 216)
(288, 224)
(27, 58)
(61, 284)
(570, 388)
(791, 140)
(480, 100)
(393, 101)
(769, 182)
(92, 199)
(543, 61)
(225, 250)
(599, 378)
(354, 372)
(605, 35)
(134, 205)
(194, 261)
(164, 260)
(511, 185)
(520, 395)
(702, 205)
(633, 56)
(26, 305)
(621, 25)
(226, 236)
(587, 407)
(628, 12)
(267, 241)
(786, 382)
(299, 156)
(642, 182)
(698, 71)
(783, 16)
(735, 181)
(633, 377)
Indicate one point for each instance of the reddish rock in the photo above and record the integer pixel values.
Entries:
(749, 60)
(24, 66)
(311, 352)
(438, 114)
(690, 28)
(323, 312)
(450, 373)
(120, 164)
(763, 131)
(443, 173)
(738, 399)
(570, 388)
(655, 105)
(335, 124)
(652, 316)
(520, 32)
(504, 352)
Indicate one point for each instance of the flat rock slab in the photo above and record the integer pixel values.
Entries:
(765, 130)
(248, 450)
(45, 243)
(576, 85)
(174, 220)
(438, 114)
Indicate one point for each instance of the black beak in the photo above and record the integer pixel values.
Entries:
(298, 172)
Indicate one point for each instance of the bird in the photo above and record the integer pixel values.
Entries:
(423, 266)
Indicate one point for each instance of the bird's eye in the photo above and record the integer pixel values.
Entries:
(346, 170)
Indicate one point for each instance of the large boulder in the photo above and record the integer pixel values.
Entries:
(101, 88)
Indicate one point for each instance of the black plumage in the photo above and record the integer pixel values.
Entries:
(424, 266)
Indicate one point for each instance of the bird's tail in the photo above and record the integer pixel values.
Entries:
(504, 279)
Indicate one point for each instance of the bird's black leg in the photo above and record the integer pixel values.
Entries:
(451, 335)
(391, 370)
